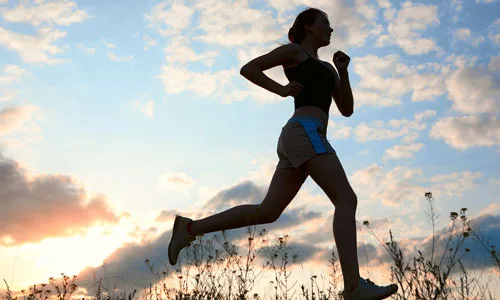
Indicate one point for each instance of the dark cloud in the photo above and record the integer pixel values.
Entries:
(33, 208)
(243, 193)
(487, 226)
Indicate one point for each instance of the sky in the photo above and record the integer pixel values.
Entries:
(116, 116)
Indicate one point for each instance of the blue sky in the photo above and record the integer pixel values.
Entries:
(118, 114)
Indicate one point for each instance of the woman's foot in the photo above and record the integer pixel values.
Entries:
(180, 238)
(367, 290)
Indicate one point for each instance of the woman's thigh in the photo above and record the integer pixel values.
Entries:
(327, 171)
(285, 185)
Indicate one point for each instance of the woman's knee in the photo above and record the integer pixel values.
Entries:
(266, 216)
(347, 201)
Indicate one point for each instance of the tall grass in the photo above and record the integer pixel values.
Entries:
(214, 269)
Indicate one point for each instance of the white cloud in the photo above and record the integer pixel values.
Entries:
(391, 188)
(149, 42)
(494, 33)
(179, 51)
(403, 185)
(424, 115)
(468, 131)
(458, 4)
(12, 118)
(403, 31)
(113, 57)
(462, 33)
(146, 108)
(88, 50)
(11, 73)
(455, 184)
(384, 80)
(494, 64)
(110, 45)
(474, 90)
(176, 17)
(380, 130)
(51, 12)
(179, 182)
(367, 10)
(403, 151)
(34, 49)
(7, 95)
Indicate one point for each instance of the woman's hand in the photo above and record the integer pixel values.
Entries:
(341, 61)
(292, 89)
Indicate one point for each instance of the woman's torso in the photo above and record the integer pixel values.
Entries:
(309, 111)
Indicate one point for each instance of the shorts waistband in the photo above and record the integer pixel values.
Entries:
(309, 119)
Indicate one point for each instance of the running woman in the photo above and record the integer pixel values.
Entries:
(302, 149)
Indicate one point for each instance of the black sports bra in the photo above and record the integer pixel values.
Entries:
(318, 81)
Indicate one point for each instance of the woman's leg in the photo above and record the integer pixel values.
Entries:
(326, 170)
(284, 186)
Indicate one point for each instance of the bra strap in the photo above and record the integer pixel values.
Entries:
(305, 51)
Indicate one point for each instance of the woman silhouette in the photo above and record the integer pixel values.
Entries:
(303, 149)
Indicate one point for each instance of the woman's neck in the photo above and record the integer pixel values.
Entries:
(311, 50)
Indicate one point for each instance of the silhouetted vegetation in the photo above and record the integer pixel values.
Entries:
(215, 270)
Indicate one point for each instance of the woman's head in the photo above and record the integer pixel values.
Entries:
(311, 23)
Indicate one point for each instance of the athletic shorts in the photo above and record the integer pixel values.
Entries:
(301, 139)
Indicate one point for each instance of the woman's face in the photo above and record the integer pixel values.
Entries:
(321, 29)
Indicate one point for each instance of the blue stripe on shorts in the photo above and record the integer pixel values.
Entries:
(311, 128)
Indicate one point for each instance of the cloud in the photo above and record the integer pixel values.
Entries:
(88, 50)
(113, 57)
(494, 64)
(476, 259)
(251, 26)
(110, 45)
(404, 29)
(11, 73)
(35, 207)
(7, 95)
(385, 80)
(245, 192)
(148, 42)
(146, 108)
(403, 151)
(467, 131)
(464, 34)
(474, 89)
(175, 182)
(176, 17)
(51, 12)
(403, 186)
(12, 118)
(34, 49)
(380, 130)
(455, 184)
(177, 79)
(494, 33)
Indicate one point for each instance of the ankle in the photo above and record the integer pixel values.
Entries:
(351, 287)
